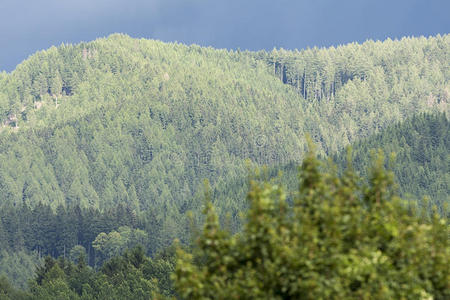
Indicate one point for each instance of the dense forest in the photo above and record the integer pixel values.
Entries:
(104, 145)
(338, 239)
(418, 154)
(84, 123)
(421, 162)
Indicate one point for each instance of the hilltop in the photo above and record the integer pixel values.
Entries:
(141, 123)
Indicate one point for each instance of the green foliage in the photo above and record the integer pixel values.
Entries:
(134, 111)
(421, 147)
(78, 254)
(55, 233)
(121, 132)
(358, 89)
(53, 286)
(18, 267)
(142, 123)
(116, 242)
(130, 276)
(8, 292)
(338, 240)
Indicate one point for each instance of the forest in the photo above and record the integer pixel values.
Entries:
(105, 146)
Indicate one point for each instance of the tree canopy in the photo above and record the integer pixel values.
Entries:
(338, 240)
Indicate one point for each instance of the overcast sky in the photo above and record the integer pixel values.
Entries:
(27, 26)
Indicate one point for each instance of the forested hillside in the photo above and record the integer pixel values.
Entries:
(142, 122)
(360, 88)
(139, 122)
(126, 130)
(421, 157)
(421, 163)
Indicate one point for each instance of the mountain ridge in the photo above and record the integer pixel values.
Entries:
(120, 119)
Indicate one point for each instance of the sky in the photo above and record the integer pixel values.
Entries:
(27, 26)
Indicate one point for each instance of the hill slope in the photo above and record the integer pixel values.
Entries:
(421, 146)
(120, 120)
(140, 121)
(361, 88)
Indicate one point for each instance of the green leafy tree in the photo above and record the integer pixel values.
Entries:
(338, 240)
(116, 242)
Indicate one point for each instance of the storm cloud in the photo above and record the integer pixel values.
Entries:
(27, 26)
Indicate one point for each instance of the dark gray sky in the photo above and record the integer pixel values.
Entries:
(27, 26)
